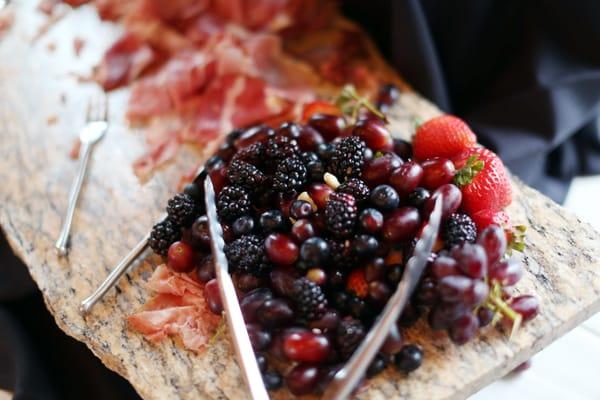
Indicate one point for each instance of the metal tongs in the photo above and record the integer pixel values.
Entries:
(346, 379)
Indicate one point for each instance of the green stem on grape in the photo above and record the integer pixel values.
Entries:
(350, 102)
(219, 332)
(495, 303)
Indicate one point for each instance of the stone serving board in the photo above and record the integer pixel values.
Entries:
(41, 106)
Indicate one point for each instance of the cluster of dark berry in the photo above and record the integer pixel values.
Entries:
(319, 221)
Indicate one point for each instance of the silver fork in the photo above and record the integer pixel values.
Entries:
(94, 129)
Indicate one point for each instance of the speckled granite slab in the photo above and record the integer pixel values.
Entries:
(41, 105)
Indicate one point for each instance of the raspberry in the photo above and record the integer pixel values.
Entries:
(246, 175)
(309, 298)
(459, 228)
(341, 214)
(247, 254)
(290, 175)
(348, 158)
(163, 235)
(357, 284)
(182, 209)
(357, 188)
(233, 202)
(350, 333)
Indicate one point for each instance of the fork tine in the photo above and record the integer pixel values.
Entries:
(88, 111)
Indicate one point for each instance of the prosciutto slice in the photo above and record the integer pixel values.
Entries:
(178, 310)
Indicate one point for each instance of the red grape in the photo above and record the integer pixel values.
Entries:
(328, 322)
(281, 249)
(493, 240)
(275, 313)
(477, 293)
(375, 269)
(377, 171)
(320, 192)
(452, 197)
(379, 292)
(302, 379)
(259, 337)
(374, 134)
(394, 342)
(252, 301)
(213, 297)
(252, 135)
(370, 220)
(406, 178)
(330, 126)
(401, 224)
(206, 269)
(471, 259)
(180, 257)
(437, 172)
(302, 230)
(485, 316)
(306, 347)
(526, 305)
(463, 329)
(309, 139)
(444, 266)
(454, 288)
(282, 279)
(506, 273)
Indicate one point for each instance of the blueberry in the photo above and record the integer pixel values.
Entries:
(243, 225)
(365, 245)
(271, 221)
(385, 198)
(315, 251)
(300, 209)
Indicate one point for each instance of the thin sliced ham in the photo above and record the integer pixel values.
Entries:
(177, 310)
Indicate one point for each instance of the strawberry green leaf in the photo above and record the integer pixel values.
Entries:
(466, 174)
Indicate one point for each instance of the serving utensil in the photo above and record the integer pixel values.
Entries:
(233, 313)
(94, 130)
(346, 379)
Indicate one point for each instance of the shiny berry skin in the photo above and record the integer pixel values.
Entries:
(195, 192)
(328, 322)
(493, 241)
(282, 280)
(528, 306)
(407, 177)
(213, 297)
(243, 225)
(302, 379)
(252, 301)
(309, 139)
(409, 358)
(374, 134)
(452, 198)
(385, 198)
(252, 135)
(315, 170)
(379, 292)
(306, 347)
(325, 151)
(444, 266)
(330, 126)
(375, 269)
(365, 245)
(370, 220)
(206, 269)
(271, 221)
(281, 249)
(401, 225)
(259, 337)
(403, 149)
(377, 171)
(300, 209)
(302, 230)
(180, 257)
(471, 259)
(262, 362)
(320, 193)
(442, 136)
(388, 95)
(485, 218)
(289, 129)
(506, 272)
(437, 172)
(314, 251)
(484, 316)
(463, 329)
(200, 234)
(394, 341)
(275, 313)
(418, 197)
(377, 365)
(272, 380)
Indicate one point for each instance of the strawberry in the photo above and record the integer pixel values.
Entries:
(485, 218)
(443, 136)
(357, 283)
(483, 180)
(319, 107)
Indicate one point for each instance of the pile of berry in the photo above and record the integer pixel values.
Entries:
(319, 220)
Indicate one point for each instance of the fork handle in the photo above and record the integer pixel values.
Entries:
(63, 239)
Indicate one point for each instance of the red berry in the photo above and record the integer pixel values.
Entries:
(180, 257)
(528, 306)
(309, 139)
(306, 347)
(406, 178)
(443, 136)
(402, 224)
(260, 338)
(252, 135)
(493, 241)
(302, 379)
(471, 259)
(377, 171)
(320, 192)
(490, 188)
(252, 301)
(437, 172)
(463, 329)
(357, 284)
(302, 230)
(374, 134)
(213, 297)
(485, 218)
(394, 342)
(507, 272)
(444, 266)
(330, 126)
(452, 197)
(281, 249)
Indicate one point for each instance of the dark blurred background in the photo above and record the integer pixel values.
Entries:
(524, 74)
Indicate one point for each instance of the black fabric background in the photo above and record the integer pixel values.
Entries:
(524, 74)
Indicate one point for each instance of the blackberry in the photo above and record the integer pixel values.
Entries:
(341, 254)
(350, 333)
(247, 254)
(290, 175)
(357, 188)
(341, 214)
(348, 158)
(253, 154)
(309, 299)
(280, 147)
(163, 235)
(246, 175)
(182, 209)
(233, 202)
(459, 228)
